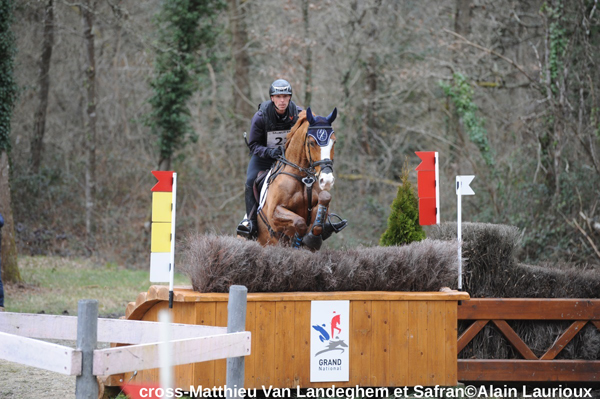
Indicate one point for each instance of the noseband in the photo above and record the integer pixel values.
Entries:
(322, 135)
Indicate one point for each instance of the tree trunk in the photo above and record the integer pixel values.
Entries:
(44, 83)
(10, 267)
(241, 96)
(308, 62)
(90, 128)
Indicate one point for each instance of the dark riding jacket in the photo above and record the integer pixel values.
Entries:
(266, 120)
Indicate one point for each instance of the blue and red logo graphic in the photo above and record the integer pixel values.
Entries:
(327, 334)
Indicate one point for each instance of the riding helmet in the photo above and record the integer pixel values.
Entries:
(280, 86)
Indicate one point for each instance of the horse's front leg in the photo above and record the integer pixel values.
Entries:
(313, 240)
(288, 222)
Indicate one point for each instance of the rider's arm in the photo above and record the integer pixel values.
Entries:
(258, 136)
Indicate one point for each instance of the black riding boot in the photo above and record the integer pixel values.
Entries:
(331, 228)
(248, 228)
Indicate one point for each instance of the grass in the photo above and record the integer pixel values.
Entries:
(54, 285)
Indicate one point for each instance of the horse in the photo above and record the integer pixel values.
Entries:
(297, 195)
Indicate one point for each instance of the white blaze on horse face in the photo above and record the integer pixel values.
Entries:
(326, 179)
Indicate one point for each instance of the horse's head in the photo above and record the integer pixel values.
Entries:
(320, 140)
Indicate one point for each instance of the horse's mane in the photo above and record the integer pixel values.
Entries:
(300, 126)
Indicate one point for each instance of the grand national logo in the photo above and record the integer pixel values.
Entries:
(330, 327)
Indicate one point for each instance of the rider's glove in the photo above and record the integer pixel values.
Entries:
(275, 152)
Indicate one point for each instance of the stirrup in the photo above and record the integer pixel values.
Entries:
(247, 229)
(331, 228)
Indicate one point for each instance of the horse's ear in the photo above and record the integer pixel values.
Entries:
(309, 117)
(332, 116)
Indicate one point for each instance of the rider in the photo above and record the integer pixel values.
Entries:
(268, 129)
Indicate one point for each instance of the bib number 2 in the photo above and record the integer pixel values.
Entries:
(277, 138)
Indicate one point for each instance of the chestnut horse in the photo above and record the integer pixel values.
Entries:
(298, 185)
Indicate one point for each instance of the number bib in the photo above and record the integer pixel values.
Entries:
(276, 138)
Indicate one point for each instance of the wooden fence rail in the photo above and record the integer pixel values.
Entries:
(189, 343)
(531, 368)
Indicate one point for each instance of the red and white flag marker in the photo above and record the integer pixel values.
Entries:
(428, 188)
(162, 247)
(462, 188)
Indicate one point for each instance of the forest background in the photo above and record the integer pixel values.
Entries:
(505, 90)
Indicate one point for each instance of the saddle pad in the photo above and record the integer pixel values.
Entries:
(263, 191)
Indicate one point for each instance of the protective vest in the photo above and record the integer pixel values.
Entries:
(273, 122)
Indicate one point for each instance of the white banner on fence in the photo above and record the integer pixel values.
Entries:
(330, 341)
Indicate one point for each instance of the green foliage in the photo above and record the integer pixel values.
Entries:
(8, 88)
(557, 40)
(403, 223)
(461, 94)
(185, 29)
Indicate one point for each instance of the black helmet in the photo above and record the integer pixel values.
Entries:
(280, 86)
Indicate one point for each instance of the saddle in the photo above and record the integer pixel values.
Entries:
(259, 183)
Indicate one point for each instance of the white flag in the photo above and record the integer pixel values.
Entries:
(462, 185)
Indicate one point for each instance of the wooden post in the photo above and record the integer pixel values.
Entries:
(236, 322)
(86, 386)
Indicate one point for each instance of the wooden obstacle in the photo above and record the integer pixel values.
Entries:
(396, 338)
(531, 368)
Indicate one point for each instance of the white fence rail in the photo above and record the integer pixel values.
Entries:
(189, 343)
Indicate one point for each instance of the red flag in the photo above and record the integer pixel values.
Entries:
(145, 390)
(165, 181)
(427, 211)
(428, 158)
(427, 187)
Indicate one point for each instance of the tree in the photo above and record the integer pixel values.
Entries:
(185, 28)
(87, 18)
(243, 108)
(403, 223)
(44, 83)
(8, 94)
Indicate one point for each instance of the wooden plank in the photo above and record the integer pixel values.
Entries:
(40, 354)
(150, 375)
(436, 333)
(530, 309)
(360, 342)
(265, 344)
(284, 347)
(144, 356)
(204, 373)
(302, 344)
(596, 323)
(529, 370)
(183, 313)
(188, 295)
(417, 325)
(249, 366)
(515, 340)
(109, 330)
(563, 340)
(470, 333)
(221, 364)
(380, 347)
(399, 342)
(451, 343)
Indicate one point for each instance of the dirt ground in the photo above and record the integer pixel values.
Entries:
(23, 382)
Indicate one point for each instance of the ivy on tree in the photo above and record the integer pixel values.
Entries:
(403, 223)
(8, 87)
(185, 28)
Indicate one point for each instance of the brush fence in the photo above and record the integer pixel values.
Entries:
(396, 338)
